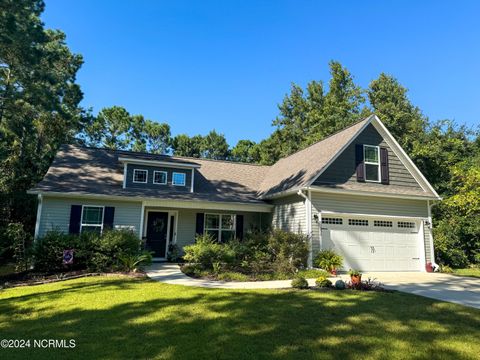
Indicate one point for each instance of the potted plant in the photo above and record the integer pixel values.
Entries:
(355, 276)
(328, 260)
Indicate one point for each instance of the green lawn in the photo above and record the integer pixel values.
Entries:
(124, 318)
(473, 272)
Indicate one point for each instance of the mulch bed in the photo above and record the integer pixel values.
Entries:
(30, 278)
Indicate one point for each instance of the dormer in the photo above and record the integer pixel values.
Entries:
(169, 174)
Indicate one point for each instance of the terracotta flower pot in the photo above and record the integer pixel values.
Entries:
(356, 279)
(333, 272)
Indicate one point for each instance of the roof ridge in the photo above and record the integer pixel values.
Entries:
(165, 155)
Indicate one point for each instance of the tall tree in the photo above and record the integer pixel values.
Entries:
(115, 128)
(390, 103)
(309, 115)
(215, 146)
(244, 151)
(183, 145)
(39, 102)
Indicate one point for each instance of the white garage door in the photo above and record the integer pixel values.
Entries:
(374, 244)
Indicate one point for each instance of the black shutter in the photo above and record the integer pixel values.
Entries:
(75, 217)
(239, 227)
(108, 216)
(200, 224)
(359, 163)
(384, 166)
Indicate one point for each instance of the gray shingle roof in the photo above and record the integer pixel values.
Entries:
(77, 169)
(83, 170)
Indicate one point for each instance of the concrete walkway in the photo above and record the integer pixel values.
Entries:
(171, 274)
(456, 289)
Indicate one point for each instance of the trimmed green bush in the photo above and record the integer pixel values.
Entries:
(206, 251)
(323, 282)
(299, 283)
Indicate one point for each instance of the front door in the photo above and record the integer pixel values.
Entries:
(157, 231)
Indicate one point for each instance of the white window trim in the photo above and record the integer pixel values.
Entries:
(365, 163)
(219, 230)
(184, 178)
(140, 182)
(160, 183)
(99, 225)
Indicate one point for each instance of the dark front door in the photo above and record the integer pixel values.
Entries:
(157, 228)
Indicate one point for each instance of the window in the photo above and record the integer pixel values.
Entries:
(140, 176)
(92, 219)
(382, 223)
(357, 222)
(160, 177)
(372, 163)
(333, 221)
(220, 226)
(178, 179)
(406, 225)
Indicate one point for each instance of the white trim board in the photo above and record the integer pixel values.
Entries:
(157, 162)
(320, 189)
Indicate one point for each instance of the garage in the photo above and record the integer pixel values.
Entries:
(374, 243)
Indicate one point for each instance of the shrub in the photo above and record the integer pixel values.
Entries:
(290, 251)
(92, 251)
(328, 260)
(206, 251)
(111, 246)
(130, 262)
(323, 282)
(300, 283)
(340, 285)
(173, 254)
(48, 251)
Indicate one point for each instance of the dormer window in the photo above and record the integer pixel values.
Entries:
(372, 163)
(178, 179)
(140, 176)
(160, 177)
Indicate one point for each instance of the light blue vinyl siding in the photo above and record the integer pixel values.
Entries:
(56, 213)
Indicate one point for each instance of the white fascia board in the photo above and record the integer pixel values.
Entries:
(157, 162)
(404, 158)
(369, 193)
(325, 167)
(172, 203)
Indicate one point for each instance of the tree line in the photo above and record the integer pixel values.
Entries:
(40, 110)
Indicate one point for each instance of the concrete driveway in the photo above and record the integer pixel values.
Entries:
(456, 289)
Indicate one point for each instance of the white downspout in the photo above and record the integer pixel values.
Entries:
(308, 224)
(39, 216)
(429, 207)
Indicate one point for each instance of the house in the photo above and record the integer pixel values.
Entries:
(356, 191)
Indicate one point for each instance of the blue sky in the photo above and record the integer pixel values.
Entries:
(199, 65)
